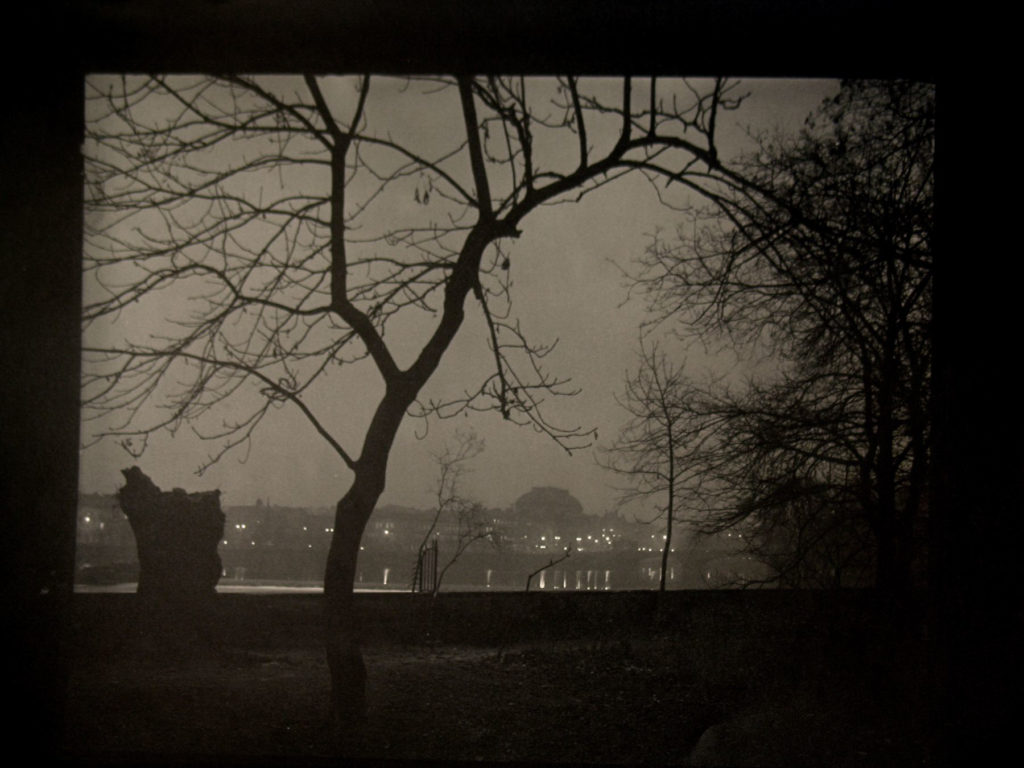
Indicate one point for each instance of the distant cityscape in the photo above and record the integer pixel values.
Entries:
(266, 544)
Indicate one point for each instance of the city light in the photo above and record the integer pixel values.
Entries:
(626, 547)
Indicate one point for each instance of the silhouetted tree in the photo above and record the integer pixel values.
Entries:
(651, 450)
(810, 536)
(249, 239)
(820, 267)
(566, 554)
(471, 525)
(471, 522)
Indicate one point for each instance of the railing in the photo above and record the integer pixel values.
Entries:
(425, 578)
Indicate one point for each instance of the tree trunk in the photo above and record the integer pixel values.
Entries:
(669, 426)
(344, 657)
(342, 625)
(667, 548)
(893, 579)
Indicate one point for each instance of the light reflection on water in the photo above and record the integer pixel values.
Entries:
(258, 589)
(251, 589)
(235, 583)
(547, 580)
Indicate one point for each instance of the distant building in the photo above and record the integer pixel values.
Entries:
(278, 544)
(548, 519)
(101, 522)
(546, 503)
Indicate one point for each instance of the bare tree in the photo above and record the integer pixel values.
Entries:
(471, 525)
(553, 561)
(652, 450)
(250, 240)
(809, 535)
(451, 463)
(822, 265)
(471, 522)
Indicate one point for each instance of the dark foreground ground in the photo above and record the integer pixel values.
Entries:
(694, 683)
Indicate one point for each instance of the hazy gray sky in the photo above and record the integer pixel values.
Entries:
(565, 286)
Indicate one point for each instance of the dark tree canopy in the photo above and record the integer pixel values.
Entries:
(820, 269)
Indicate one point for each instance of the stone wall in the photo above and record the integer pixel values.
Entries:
(492, 618)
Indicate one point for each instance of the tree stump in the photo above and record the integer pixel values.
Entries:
(177, 535)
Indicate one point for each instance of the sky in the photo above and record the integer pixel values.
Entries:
(567, 285)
